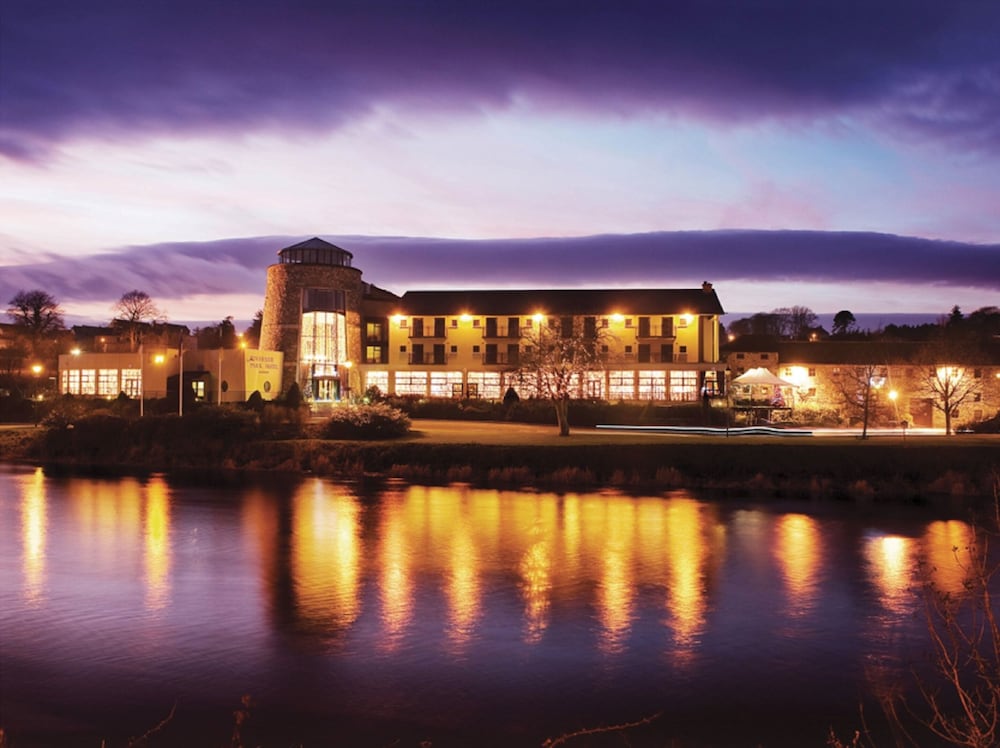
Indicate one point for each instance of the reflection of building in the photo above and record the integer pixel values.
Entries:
(339, 333)
(219, 375)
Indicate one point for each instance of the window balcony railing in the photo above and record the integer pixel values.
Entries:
(654, 331)
(503, 333)
(501, 359)
(427, 359)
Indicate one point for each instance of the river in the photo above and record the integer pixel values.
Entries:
(454, 615)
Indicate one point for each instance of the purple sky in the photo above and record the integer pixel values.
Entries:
(829, 154)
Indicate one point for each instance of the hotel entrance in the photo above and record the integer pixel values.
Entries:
(325, 388)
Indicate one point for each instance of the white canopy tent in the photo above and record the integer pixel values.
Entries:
(758, 393)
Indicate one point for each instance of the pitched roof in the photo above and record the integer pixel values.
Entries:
(314, 243)
(646, 301)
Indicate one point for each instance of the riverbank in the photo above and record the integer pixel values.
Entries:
(837, 466)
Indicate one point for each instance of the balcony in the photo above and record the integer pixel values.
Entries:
(427, 359)
(491, 358)
(501, 333)
(655, 332)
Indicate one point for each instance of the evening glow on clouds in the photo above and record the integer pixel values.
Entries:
(174, 148)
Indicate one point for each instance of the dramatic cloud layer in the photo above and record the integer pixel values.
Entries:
(113, 67)
(752, 271)
(163, 126)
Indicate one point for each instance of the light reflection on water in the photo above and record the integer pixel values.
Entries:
(417, 602)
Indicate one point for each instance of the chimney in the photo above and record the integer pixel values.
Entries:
(706, 287)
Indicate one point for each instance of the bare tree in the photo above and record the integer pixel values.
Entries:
(860, 387)
(950, 376)
(957, 698)
(134, 311)
(557, 357)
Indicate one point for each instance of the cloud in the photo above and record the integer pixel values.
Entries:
(790, 266)
(118, 69)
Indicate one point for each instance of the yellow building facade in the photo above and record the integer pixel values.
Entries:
(341, 336)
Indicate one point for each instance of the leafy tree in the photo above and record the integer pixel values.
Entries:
(37, 316)
(134, 311)
(252, 334)
(222, 335)
(557, 358)
(36, 312)
(843, 322)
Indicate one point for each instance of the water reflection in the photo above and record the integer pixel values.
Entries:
(33, 535)
(891, 562)
(946, 545)
(157, 546)
(797, 549)
(691, 541)
(396, 582)
(326, 556)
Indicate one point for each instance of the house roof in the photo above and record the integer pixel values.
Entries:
(825, 351)
(645, 301)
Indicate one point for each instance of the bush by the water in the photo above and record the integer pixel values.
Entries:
(366, 421)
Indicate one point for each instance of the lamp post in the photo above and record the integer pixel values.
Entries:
(180, 379)
(142, 381)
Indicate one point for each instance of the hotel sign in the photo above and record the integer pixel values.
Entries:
(263, 372)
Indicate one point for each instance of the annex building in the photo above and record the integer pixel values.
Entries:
(339, 334)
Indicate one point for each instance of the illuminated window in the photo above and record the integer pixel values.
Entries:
(378, 379)
(411, 383)
(443, 383)
(486, 383)
(593, 385)
(324, 338)
(88, 381)
(683, 386)
(107, 382)
(621, 385)
(132, 382)
(652, 385)
(71, 382)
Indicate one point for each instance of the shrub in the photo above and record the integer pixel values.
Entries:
(371, 421)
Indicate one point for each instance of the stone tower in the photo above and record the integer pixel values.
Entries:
(312, 314)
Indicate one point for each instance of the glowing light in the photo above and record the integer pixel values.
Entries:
(688, 318)
(798, 553)
(617, 318)
(326, 557)
(36, 369)
(465, 317)
(397, 319)
(158, 358)
(893, 395)
(75, 352)
(33, 524)
(157, 547)
(538, 317)
(890, 560)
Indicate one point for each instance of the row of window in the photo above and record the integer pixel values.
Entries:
(510, 327)
(101, 382)
(676, 386)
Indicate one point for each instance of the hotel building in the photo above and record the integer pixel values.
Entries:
(339, 334)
